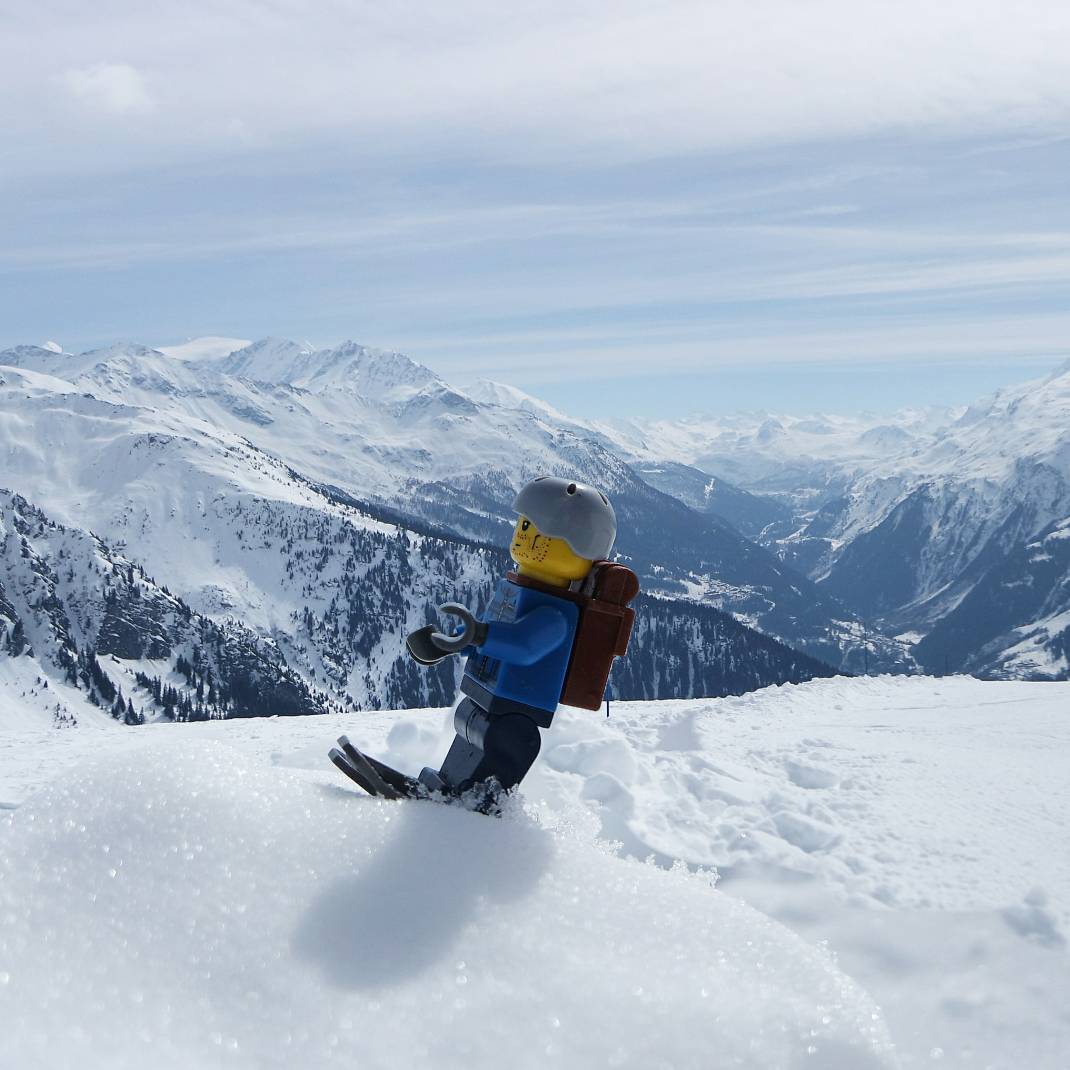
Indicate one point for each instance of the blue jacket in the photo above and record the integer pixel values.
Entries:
(526, 653)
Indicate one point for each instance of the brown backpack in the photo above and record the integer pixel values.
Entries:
(602, 634)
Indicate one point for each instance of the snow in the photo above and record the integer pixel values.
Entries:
(209, 348)
(489, 392)
(911, 826)
(29, 698)
(196, 907)
(1031, 656)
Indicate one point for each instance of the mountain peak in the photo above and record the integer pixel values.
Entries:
(490, 392)
(374, 374)
(28, 356)
(269, 360)
(1061, 372)
(210, 348)
(68, 366)
(118, 349)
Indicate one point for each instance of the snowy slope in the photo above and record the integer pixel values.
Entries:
(910, 824)
(1014, 622)
(66, 598)
(315, 928)
(29, 699)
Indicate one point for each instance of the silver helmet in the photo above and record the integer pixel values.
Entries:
(575, 512)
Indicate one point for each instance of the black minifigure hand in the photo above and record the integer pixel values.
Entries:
(421, 648)
(473, 631)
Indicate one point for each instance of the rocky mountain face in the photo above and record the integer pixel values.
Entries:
(168, 566)
(1014, 621)
(97, 621)
(940, 540)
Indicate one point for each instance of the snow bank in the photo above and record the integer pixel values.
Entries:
(179, 905)
(916, 826)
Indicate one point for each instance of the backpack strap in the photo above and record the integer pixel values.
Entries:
(611, 582)
(547, 588)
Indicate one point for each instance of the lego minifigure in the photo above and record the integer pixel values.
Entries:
(549, 635)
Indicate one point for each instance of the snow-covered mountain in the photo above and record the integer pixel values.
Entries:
(942, 525)
(94, 621)
(140, 455)
(829, 533)
(373, 426)
(958, 537)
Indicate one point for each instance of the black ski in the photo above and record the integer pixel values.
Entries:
(343, 764)
(402, 783)
(388, 783)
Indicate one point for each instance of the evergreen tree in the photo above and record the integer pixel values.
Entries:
(16, 642)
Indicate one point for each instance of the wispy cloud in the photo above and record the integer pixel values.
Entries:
(563, 355)
(571, 186)
(570, 79)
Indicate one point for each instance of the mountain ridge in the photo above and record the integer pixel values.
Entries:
(413, 442)
(133, 459)
(831, 533)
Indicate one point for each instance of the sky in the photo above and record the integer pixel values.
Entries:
(620, 207)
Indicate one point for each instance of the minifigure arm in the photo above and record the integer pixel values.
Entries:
(527, 639)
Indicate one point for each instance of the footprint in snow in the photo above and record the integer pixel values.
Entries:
(805, 833)
(810, 776)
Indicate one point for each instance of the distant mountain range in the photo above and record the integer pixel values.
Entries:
(316, 504)
(945, 527)
(315, 507)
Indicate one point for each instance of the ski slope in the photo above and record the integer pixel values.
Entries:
(217, 895)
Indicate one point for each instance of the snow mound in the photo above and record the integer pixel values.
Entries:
(181, 906)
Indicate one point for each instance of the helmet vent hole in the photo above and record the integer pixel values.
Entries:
(571, 488)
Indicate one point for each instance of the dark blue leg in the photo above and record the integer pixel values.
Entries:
(501, 746)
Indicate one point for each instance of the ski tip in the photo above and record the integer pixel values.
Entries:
(344, 765)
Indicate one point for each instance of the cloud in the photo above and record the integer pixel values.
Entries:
(616, 185)
(112, 88)
(584, 355)
(576, 80)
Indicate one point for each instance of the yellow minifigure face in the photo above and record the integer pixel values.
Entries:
(550, 560)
